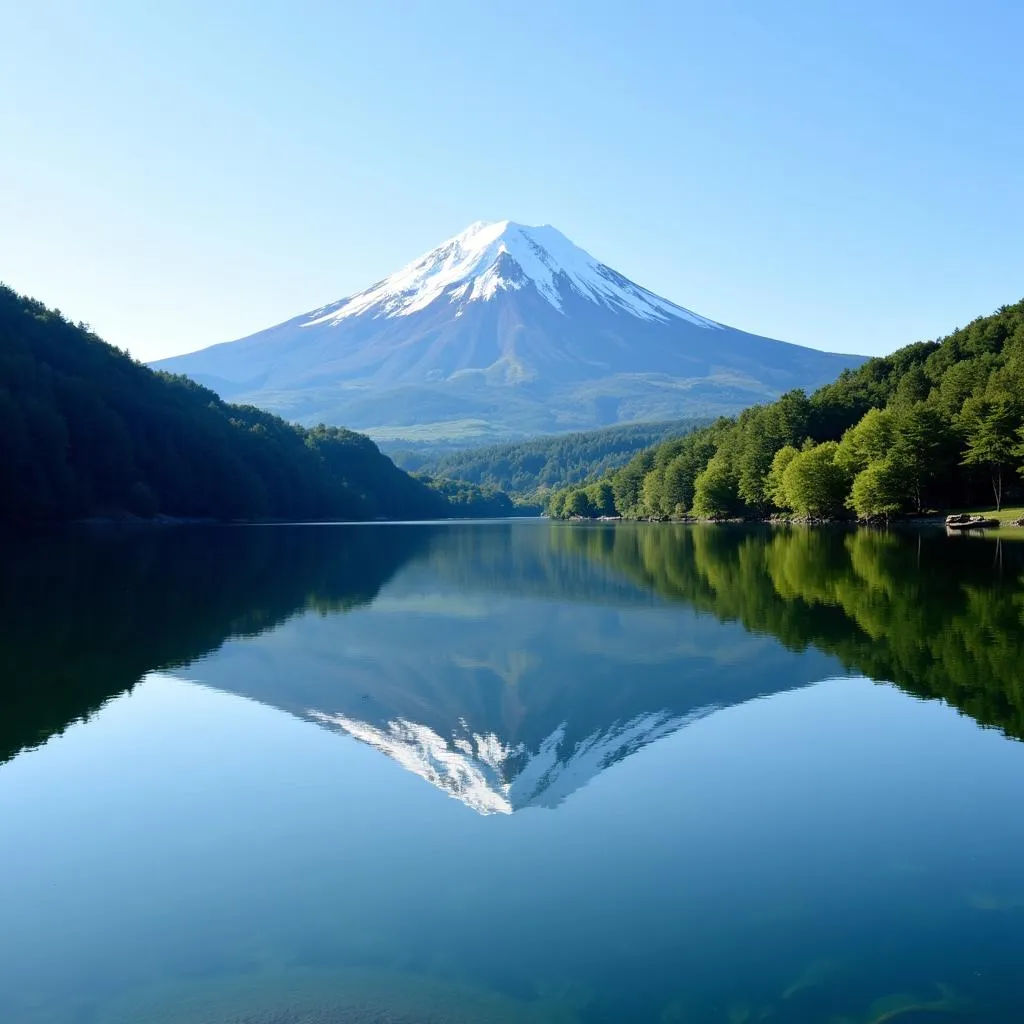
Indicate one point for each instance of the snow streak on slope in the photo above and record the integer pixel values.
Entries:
(488, 258)
(494, 778)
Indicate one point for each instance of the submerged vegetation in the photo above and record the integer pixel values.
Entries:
(936, 424)
(302, 995)
(359, 996)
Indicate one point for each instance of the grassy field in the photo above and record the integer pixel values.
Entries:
(1004, 515)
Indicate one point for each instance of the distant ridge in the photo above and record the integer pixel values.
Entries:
(532, 467)
(503, 331)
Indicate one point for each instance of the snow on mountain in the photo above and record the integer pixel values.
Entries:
(492, 777)
(504, 256)
(503, 331)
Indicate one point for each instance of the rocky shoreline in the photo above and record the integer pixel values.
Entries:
(959, 521)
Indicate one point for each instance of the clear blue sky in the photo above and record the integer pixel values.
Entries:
(843, 175)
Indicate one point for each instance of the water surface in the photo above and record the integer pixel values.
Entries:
(511, 772)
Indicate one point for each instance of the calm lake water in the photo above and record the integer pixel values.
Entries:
(503, 772)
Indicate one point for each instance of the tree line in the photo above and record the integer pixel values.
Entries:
(529, 470)
(468, 500)
(935, 424)
(88, 431)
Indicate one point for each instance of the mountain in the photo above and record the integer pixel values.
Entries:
(503, 331)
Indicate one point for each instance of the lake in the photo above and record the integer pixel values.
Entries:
(517, 771)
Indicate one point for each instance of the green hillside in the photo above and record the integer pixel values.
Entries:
(530, 469)
(87, 431)
(935, 424)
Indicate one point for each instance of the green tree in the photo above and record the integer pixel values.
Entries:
(774, 486)
(879, 489)
(815, 484)
(602, 498)
(913, 387)
(578, 504)
(654, 492)
(689, 459)
(715, 494)
(556, 504)
(762, 431)
(921, 440)
(678, 486)
(990, 426)
(628, 482)
(870, 440)
(959, 382)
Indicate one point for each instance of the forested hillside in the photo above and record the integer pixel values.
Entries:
(530, 469)
(468, 500)
(85, 430)
(936, 424)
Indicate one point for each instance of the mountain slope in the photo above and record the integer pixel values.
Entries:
(503, 331)
(85, 431)
(535, 466)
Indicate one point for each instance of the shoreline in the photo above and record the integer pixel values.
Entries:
(991, 521)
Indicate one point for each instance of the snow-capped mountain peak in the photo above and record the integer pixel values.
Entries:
(503, 331)
(488, 258)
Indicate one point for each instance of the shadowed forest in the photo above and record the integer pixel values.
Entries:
(87, 431)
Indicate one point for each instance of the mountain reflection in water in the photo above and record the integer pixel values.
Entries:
(507, 663)
(654, 793)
